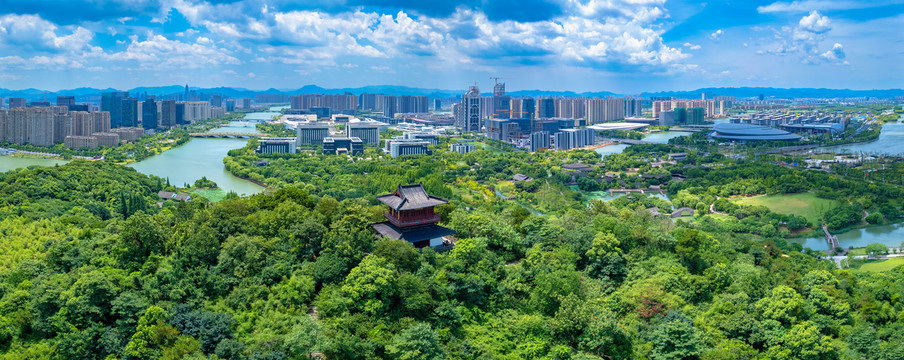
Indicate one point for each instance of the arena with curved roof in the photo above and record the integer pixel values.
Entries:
(747, 132)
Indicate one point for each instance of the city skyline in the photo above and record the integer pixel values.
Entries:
(620, 46)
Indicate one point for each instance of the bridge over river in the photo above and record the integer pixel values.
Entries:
(225, 135)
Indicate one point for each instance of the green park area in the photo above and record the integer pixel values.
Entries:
(883, 265)
(804, 204)
(212, 194)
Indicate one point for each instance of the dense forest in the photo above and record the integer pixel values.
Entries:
(93, 267)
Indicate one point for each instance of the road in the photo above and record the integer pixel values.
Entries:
(837, 259)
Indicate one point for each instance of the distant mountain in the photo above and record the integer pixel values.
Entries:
(778, 93)
(82, 94)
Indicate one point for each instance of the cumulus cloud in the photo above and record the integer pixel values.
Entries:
(158, 52)
(716, 35)
(35, 33)
(815, 23)
(690, 46)
(578, 33)
(804, 41)
(835, 54)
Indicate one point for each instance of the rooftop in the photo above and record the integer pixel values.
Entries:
(410, 197)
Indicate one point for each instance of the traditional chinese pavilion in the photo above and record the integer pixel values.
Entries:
(411, 217)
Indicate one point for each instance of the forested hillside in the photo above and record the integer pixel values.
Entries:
(91, 268)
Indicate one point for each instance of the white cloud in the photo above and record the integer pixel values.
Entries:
(804, 41)
(716, 35)
(158, 52)
(807, 5)
(815, 23)
(33, 32)
(690, 46)
(836, 53)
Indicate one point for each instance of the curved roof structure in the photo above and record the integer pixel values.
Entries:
(747, 132)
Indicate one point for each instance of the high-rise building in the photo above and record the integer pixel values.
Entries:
(168, 113)
(468, 118)
(4, 118)
(603, 110)
(539, 140)
(196, 111)
(112, 103)
(437, 104)
(633, 107)
(100, 122)
(528, 108)
(216, 100)
(546, 108)
(40, 126)
(17, 103)
(695, 116)
(66, 101)
(501, 102)
(149, 114)
(369, 102)
(389, 106)
(574, 138)
(410, 104)
(180, 114)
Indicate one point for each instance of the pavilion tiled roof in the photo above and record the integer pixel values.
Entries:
(410, 197)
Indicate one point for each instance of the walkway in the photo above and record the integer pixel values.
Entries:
(833, 242)
(677, 213)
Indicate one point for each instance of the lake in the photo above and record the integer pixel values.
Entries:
(657, 137)
(8, 163)
(889, 234)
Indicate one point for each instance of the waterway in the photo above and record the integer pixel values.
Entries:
(889, 234)
(247, 127)
(203, 157)
(265, 115)
(657, 137)
(182, 165)
(890, 142)
(197, 158)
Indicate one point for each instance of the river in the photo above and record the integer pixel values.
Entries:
(889, 142)
(184, 164)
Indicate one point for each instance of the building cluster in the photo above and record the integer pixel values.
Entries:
(151, 114)
(390, 105)
(324, 106)
(798, 122)
(473, 108)
(675, 110)
(49, 125)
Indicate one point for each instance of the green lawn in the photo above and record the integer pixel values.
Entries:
(883, 265)
(805, 204)
(213, 195)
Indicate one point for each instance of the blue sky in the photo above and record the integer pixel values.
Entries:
(625, 46)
